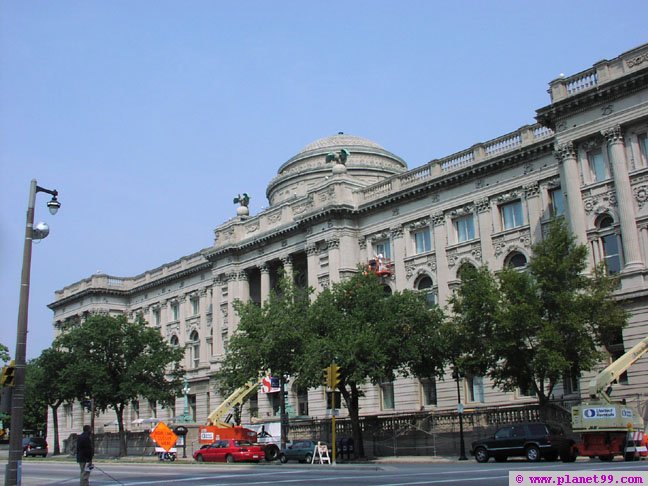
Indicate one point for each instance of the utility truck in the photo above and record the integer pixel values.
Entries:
(219, 426)
(608, 427)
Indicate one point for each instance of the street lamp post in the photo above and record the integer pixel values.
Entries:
(462, 446)
(14, 466)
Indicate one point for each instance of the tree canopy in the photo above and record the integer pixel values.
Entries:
(114, 362)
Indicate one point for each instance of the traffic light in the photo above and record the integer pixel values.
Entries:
(335, 376)
(333, 400)
(332, 375)
(8, 373)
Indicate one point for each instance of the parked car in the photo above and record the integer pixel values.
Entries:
(229, 451)
(531, 440)
(298, 450)
(34, 446)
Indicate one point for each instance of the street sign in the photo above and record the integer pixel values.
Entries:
(164, 436)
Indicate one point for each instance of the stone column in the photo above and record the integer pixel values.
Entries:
(312, 263)
(534, 206)
(485, 228)
(286, 261)
(440, 243)
(264, 268)
(244, 286)
(625, 198)
(232, 295)
(570, 185)
(333, 246)
(399, 257)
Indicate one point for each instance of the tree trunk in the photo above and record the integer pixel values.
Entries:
(123, 446)
(352, 400)
(57, 447)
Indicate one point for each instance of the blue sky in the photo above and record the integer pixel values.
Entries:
(149, 116)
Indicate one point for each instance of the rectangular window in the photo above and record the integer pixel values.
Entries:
(643, 146)
(156, 317)
(383, 248)
(387, 393)
(195, 306)
(475, 388)
(429, 390)
(597, 165)
(512, 215)
(557, 203)
(175, 311)
(612, 255)
(422, 241)
(465, 228)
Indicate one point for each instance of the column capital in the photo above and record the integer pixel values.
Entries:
(565, 151)
(264, 267)
(613, 134)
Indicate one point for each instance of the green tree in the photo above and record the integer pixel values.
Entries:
(115, 361)
(4, 353)
(35, 411)
(46, 385)
(372, 336)
(544, 323)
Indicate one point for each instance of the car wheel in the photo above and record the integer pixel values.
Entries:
(282, 458)
(229, 458)
(308, 458)
(532, 453)
(607, 458)
(568, 454)
(481, 455)
(200, 458)
(500, 458)
(271, 452)
(551, 456)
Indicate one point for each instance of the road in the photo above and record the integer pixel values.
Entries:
(45, 473)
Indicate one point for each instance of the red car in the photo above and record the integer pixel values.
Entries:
(229, 451)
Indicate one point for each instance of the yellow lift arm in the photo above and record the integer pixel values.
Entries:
(236, 398)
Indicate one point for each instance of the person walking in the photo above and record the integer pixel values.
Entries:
(85, 453)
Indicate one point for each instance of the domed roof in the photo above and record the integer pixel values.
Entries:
(340, 140)
(367, 163)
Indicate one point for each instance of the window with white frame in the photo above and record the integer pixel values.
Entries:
(387, 395)
(464, 228)
(556, 203)
(512, 216)
(475, 388)
(195, 305)
(383, 247)
(194, 348)
(175, 311)
(422, 240)
(429, 391)
(610, 244)
(643, 147)
(426, 285)
(597, 167)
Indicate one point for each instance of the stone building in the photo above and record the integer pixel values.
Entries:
(344, 199)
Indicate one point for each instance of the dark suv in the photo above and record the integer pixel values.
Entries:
(34, 446)
(531, 440)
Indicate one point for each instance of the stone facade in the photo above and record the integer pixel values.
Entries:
(586, 159)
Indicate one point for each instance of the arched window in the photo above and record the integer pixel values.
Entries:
(610, 244)
(465, 267)
(174, 341)
(194, 348)
(516, 260)
(426, 285)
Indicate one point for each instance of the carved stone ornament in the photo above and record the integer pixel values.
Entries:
(637, 60)
(252, 227)
(397, 232)
(531, 190)
(323, 281)
(311, 249)
(438, 219)
(302, 206)
(464, 211)
(641, 194)
(509, 196)
(422, 223)
(333, 243)
(528, 168)
(362, 243)
(553, 183)
(600, 203)
(274, 217)
(379, 236)
(565, 151)
(482, 205)
(613, 134)
(506, 244)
